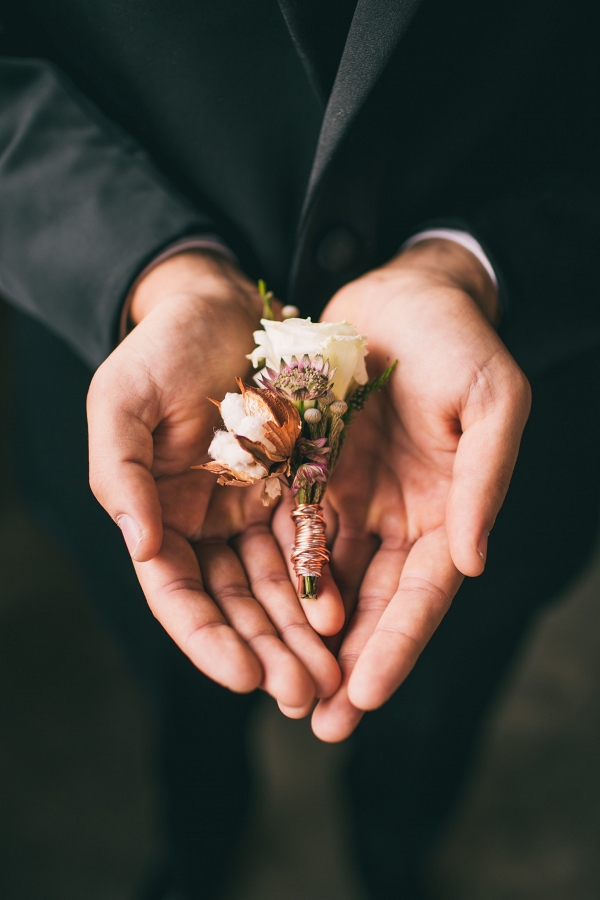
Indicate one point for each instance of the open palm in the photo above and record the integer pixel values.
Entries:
(205, 556)
(423, 473)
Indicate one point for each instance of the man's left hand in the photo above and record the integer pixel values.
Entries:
(424, 469)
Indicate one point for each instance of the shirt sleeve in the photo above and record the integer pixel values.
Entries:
(464, 238)
(210, 242)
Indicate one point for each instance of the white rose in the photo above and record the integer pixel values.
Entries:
(338, 342)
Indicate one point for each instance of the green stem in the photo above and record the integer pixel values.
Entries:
(267, 297)
(308, 587)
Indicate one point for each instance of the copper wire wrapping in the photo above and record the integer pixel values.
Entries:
(310, 551)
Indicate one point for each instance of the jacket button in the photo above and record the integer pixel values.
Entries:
(338, 250)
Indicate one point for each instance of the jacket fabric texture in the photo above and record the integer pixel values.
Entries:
(313, 135)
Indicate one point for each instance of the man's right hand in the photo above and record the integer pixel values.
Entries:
(206, 559)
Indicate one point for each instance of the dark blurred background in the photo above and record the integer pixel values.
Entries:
(78, 804)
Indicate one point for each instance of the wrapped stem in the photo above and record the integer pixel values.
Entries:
(310, 552)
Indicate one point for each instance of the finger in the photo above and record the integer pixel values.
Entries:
(120, 454)
(296, 713)
(173, 587)
(284, 676)
(485, 459)
(368, 507)
(352, 551)
(336, 718)
(427, 586)
(326, 614)
(269, 582)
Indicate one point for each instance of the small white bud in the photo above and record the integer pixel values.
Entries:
(312, 416)
(339, 407)
(290, 312)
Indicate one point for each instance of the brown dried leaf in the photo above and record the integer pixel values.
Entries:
(279, 410)
(227, 475)
(259, 451)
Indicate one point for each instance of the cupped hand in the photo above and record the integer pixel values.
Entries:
(205, 556)
(425, 467)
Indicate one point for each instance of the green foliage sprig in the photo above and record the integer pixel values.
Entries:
(267, 299)
(359, 397)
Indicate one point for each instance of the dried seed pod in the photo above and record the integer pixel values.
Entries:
(312, 416)
(338, 407)
(269, 455)
(326, 400)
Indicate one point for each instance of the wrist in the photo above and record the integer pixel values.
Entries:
(193, 273)
(454, 265)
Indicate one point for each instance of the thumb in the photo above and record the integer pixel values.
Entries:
(120, 460)
(484, 463)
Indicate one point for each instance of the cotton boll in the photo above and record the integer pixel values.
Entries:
(225, 449)
(236, 420)
(252, 428)
(232, 412)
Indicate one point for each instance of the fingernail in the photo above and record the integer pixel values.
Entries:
(131, 532)
(482, 546)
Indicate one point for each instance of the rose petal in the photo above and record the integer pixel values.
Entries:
(337, 342)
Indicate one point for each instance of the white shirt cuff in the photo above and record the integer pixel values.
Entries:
(199, 242)
(463, 238)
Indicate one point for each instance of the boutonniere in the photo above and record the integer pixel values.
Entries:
(289, 429)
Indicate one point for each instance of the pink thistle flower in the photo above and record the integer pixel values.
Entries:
(308, 379)
(314, 468)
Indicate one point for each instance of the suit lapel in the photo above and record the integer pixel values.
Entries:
(376, 29)
(319, 29)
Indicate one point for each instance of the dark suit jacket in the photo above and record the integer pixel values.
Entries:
(313, 136)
